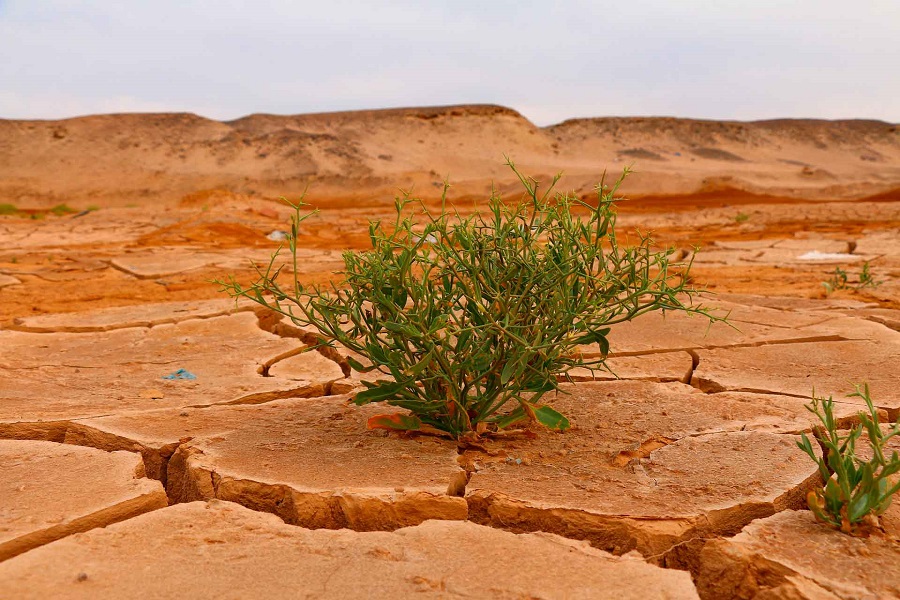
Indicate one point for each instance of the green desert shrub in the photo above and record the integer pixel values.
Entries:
(856, 489)
(473, 319)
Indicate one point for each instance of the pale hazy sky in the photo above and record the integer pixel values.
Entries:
(723, 59)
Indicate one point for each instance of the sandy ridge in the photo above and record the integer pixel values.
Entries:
(366, 155)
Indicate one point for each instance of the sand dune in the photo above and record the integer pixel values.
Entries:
(108, 160)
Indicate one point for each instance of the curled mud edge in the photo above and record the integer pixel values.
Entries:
(190, 478)
(273, 323)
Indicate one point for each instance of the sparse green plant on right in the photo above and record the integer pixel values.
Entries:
(866, 279)
(856, 491)
(840, 280)
(837, 281)
(741, 217)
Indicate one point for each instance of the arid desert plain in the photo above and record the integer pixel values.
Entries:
(160, 440)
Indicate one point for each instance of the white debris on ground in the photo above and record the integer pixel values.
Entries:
(816, 255)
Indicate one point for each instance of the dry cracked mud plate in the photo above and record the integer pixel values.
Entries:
(749, 326)
(49, 378)
(661, 367)
(889, 317)
(165, 261)
(652, 467)
(161, 262)
(123, 317)
(111, 226)
(221, 550)
(310, 461)
(828, 368)
(790, 555)
(883, 243)
(795, 252)
(792, 304)
(49, 491)
(7, 280)
(623, 414)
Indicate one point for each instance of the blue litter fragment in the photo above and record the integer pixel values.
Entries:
(180, 374)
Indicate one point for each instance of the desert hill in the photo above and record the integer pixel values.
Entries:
(128, 159)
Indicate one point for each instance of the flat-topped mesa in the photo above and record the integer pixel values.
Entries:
(351, 117)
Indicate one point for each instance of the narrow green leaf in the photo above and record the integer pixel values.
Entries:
(395, 421)
(551, 419)
(378, 393)
(858, 508)
(462, 339)
(376, 353)
(512, 418)
(602, 341)
(509, 370)
(358, 366)
(419, 367)
(401, 328)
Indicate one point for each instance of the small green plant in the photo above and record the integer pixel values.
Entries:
(837, 281)
(741, 217)
(856, 490)
(840, 280)
(473, 319)
(866, 279)
(62, 209)
(8, 209)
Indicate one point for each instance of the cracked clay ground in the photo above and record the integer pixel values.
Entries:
(256, 478)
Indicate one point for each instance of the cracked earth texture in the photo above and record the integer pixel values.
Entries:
(250, 474)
